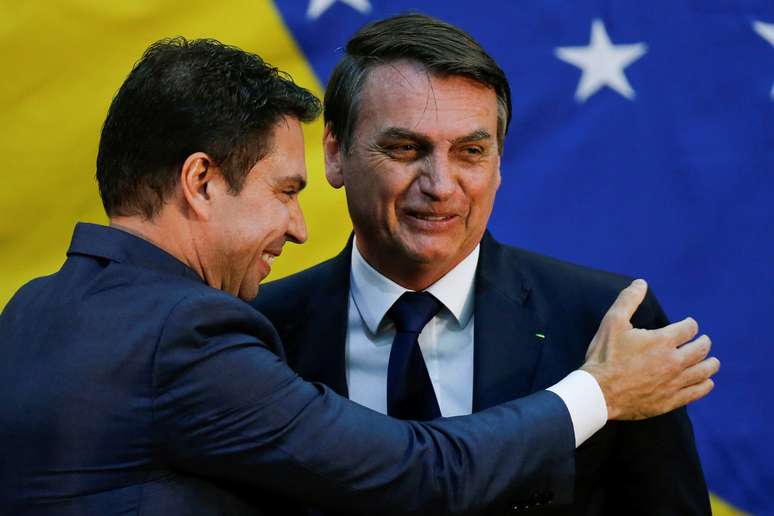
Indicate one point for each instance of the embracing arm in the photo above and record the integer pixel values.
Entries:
(228, 407)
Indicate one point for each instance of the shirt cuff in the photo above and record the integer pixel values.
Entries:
(583, 397)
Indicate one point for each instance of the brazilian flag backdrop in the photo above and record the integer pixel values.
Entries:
(642, 142)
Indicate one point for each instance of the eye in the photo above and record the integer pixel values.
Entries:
(289, 193)
(472, 153)
(402, 151)
(403, 148)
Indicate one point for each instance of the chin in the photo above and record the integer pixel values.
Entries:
(427, 255)
(248, 292)
(428, 249)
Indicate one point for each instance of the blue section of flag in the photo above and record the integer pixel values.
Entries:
(675, 185)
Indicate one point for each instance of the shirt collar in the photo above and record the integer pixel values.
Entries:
(374, 293)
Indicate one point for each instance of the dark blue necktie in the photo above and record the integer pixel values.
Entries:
(410, 393)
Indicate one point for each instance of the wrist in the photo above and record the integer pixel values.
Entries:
(605, 385)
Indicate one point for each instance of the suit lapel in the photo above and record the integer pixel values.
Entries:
(327, 325)
(506, 346)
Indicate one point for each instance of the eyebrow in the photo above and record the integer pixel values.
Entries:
(400, 133)
(296, 179)
(475, 136)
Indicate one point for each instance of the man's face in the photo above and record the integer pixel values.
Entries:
(422, 170)
(247, 231)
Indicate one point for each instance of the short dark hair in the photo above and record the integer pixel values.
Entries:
(442, 49)
(183, 97)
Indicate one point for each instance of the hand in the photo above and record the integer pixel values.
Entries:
(644, 373)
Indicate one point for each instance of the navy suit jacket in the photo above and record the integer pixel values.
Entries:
(128, 386)
(648, 467)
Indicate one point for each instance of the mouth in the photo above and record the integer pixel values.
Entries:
(430, 217)
(430, 221)
(268, 258)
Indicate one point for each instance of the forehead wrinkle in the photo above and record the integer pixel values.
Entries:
(430, 93)
(408, 75)
(394, 66)
(404, 67)
(410, 67)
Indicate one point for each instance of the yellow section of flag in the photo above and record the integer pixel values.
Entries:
(721, 508)
(63, 62)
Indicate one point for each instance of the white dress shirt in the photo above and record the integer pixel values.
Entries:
(446, 343)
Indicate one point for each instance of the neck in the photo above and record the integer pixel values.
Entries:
(417, 279)
(165, 232)
(410, 275)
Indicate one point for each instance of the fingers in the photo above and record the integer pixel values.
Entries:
(693, 392)
(697, 373)
(696, 378)
(677, 333)
(695, 351)
(627, 302)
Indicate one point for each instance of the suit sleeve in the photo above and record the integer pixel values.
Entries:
(656, 468)
(227, 406)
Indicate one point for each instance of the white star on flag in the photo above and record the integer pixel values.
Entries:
(602, 63)
(766, 31)
(318, 7)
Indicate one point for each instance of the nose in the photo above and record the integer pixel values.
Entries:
(297, 227)
(437, 180)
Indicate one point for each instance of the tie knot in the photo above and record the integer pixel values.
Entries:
(413, 310)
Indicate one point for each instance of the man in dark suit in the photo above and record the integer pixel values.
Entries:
(416, 114)
(137, 380)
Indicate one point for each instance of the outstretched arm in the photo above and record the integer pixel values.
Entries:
(229, 407)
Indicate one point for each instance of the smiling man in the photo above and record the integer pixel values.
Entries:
(416, 114)
(422, 170)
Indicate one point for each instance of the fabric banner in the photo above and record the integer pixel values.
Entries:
(642, 142)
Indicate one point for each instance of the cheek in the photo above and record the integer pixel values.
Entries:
(481, 188)
(375, 195)
(480, 196)
(260, 224)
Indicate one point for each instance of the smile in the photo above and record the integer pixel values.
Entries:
(430, 217)
(430, 221)
(268, 258)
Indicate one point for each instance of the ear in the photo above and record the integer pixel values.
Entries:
(200, 178)
(499, 176)
(332, 150)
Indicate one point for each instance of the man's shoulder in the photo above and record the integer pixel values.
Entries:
(182, 306)
(188, 302)
(146, 286)
(560, 284)
(201, 314)
(119, 291)
(541, 269)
